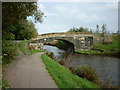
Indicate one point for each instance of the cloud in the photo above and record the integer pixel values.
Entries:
(90, 18)
(49, 28)
(61, 8)
(42, 8)
(108, 6)
(63, 16)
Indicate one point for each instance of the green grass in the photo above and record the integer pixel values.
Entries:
(114, 46)
(88, 52)
(35, 51)
(64, 77)
(21, 46)
(107, 49)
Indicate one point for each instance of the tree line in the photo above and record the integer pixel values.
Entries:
(101, 31)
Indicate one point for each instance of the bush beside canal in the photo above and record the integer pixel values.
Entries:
(90, 74)
(64, 77)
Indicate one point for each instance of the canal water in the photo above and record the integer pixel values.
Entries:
(106, 67)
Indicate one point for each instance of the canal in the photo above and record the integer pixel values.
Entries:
(106, 67)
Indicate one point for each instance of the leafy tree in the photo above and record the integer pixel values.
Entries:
(13, 12)
(16, 26)
(25, 30)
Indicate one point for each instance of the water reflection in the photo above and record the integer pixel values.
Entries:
(59, 54)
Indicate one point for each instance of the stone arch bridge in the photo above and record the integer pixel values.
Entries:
(77, 39)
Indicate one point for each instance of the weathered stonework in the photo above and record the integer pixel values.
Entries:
(79, 40)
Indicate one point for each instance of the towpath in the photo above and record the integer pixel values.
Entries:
(29, 72)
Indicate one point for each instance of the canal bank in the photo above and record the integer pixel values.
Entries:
(106, 67)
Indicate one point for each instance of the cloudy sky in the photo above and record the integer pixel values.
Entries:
(61, 16)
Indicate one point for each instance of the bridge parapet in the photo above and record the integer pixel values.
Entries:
(68, 34)
(79, 40)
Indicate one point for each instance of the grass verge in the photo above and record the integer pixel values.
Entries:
(35, 51)
(103, 49)
(64, 77)
(93, 52)
(21, 46)
(114, 46)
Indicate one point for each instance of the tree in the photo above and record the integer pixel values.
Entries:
(97, 29)
(14, 12)
(16, 26)
(104, 31)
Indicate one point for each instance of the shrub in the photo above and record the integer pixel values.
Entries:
(87, 72)
(62, 62)
(73, 69)
(51, 55)
(5, 84)
(63, 76)
(9, 51)
(31, 48)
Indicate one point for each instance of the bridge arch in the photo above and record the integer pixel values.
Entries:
(78, 40)
(63, 44)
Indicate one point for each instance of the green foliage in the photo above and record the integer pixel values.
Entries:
(97, 29)
(104, 32)
(22, 47)
(36, 51)
(62, 62)
(114, 46)
(89, 52)
(33, 51)
(87, 72)
(31, 48)
(5, 84)
(50, 54)
(64, 77)
(25, 30)
(9, 51)
(16, 26)
(81, 29)
(14, 19)
(111, 49)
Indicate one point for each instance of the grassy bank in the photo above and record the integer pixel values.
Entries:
(103, 49)
(64, 77)
(21, 46)
(114, 46)
(35, 51)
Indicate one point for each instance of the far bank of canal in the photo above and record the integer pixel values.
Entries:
(106, 67)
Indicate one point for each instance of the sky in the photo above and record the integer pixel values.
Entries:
(61, 16)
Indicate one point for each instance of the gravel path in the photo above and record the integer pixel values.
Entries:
(29, 72)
